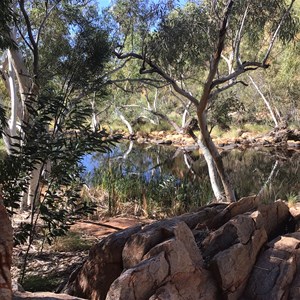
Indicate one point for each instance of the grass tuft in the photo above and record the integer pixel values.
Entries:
(38, 283)
(71, 242)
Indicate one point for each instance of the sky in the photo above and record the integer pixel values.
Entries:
(103, 3)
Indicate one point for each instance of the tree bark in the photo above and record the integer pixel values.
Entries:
(123, 119)
(33, 190)
(212, 172)
(6, 246)
(214, 155)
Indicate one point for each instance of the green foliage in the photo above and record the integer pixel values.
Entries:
(184, 40)
(6, 17)
(292, 198)
(137, 17)
(86, 59)
(38, 283)
(181, 40)
(14, 175)
(59, 192)
(222, 109)
(72, 51)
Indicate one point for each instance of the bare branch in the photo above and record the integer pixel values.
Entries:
(239, 37)
(31, 38)
(265, 101)
(226, 87)
(215, 60)
(116, 69)
(47, 14)
(23, 37)
(155, 69)
(246, 66)
(277, 31)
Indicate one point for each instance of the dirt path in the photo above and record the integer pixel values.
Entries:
(49, 270)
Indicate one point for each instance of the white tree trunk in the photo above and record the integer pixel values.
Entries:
(123, 119)
(267, 103)
(95, 121)
(185, 114)
(11, 86)
(212, 172)
(125, 155)
(33, 196)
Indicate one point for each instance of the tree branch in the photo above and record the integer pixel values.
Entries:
(238, 38)
(215, 60)
(265, 100)
(47, 14)
(31, 38)
(277, 31)
(224, 88)
(246, 66)
(155, 69)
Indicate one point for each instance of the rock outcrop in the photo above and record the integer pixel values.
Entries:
(237, 251)
(276, 274)
(6, 246)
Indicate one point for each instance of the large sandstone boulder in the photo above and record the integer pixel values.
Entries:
(274, 217)
(149, 236)
(232, 250)
(173, 267)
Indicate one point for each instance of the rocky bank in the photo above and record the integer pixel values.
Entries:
(243, 250)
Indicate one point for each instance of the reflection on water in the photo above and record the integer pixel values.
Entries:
(163, 174)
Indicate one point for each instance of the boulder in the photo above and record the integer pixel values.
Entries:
(141, 242)
(294, 290)
(295, 213)
(231, 252)
(140, 282)
(244, 205)
(102, 267)
(173, 267)
(274, 217)
(6, 246)
(276, 274)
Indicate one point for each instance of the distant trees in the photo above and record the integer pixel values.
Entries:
(209, 45)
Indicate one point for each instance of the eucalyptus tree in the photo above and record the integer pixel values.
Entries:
(6, 236)
(210, 36)
(50, 71)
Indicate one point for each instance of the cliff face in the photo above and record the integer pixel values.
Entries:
(244, 250)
